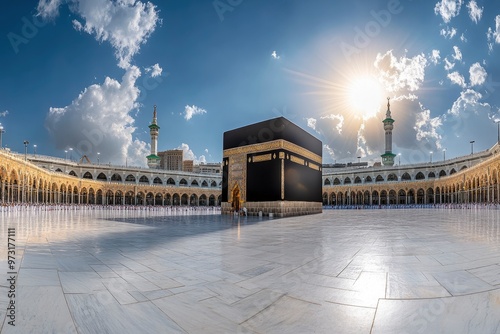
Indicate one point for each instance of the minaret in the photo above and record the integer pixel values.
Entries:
(153, 158)
(388, 156)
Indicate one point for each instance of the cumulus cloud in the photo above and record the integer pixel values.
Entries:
(48, 9)
(448, 9)
(448, 32)
(190, 111)
(189, 155)
(435, 56)
(311, 122)
(477, 74)
(494, 35)
(338, 119)
(403, 73)
(99, 120)
(457, 79)
(275, 55)
(4, 113)
(457, 53)
(155, 70)
(469, 100)
(448, 65)
(475, 13)
(125, 24)
(427, 127)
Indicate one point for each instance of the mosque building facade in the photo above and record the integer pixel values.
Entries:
(28, 178)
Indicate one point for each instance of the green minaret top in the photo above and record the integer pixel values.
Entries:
(388, 117)
(153, 124)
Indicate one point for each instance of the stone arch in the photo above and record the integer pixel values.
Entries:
(72, 173)
(420, 176)
(130, 178)
(392, 177)
(211, 200)
(213, 184)
(170, 181)
(194, 183)
(336, 181)
(116, 178)
(347, 180)
(406, 177)
(185, 199)
(368, 179)
(431, 175)
(379, 178)
(102, 177)
(452, 171)
(327, 182)
(442, 173)
(357, 180)
(176, 199)
(183, 183)
(144, 179)
(87, 175)
(157, 180)
(203, 199)
(204, 183)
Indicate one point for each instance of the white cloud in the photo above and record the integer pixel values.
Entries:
(448, 33)
(328, 150)
(125, 24)
(403, 73)
(448, 9)
(448, 65)
(435, 56)
(469, 100)
(462, 38)
(311, 122)
(275, 55)
(48, 9)
(155, 70)
(458, 53)
(190, 111)
(99, 120)
(427, 127)
(494, 35)
(477, 74)
(4, 113)
(206, 150)
(457, 79)
(189, 155)
(475, 13)
(337, 118)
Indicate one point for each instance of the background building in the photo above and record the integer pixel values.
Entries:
(187, 165)
(171, 159)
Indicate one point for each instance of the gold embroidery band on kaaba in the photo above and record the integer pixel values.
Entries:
(262, 157)
(274, 145)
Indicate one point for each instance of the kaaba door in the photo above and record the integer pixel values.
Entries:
(236, 198)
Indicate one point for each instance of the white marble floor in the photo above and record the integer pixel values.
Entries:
(353, 271)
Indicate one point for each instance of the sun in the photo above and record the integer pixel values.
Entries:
(364, 96)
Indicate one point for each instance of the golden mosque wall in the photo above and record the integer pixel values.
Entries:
(468, 179)
(24, 182)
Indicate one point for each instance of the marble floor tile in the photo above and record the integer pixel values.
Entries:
(342, 271)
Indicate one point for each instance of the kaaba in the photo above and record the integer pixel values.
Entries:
(271, 167)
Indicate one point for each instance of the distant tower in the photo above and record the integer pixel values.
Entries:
(388, 156)
(153, 158)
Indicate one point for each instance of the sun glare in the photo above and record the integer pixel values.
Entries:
(365, 96)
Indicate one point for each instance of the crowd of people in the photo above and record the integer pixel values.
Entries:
(42, 207)
(489, 206)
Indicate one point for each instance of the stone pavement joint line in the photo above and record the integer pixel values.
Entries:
(342, 271)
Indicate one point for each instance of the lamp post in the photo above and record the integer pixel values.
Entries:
(34, 150)
(444, 154)
(399, 159)
(98, 154)
(1, 131)
(70, 150)
(431, 156)
(472, 146)
(359, 160)
(26, 143)
(66, 154)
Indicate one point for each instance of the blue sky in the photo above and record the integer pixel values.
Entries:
(86, 74)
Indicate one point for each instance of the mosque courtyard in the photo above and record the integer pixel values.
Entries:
(342, 271)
